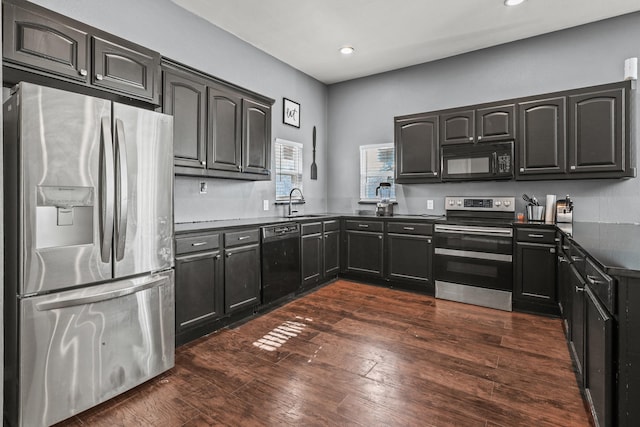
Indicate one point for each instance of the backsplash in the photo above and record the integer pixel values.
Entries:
(232, 199)
(614, 201)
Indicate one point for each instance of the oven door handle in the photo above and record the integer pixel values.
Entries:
(473, 254)
(479, 231)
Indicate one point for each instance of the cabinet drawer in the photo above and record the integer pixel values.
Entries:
(376, 226)
(199, 243)
(311, 228)
(536, 235)
(577, 257)
(602, 286)
(238, 238)
(333, 225)
(410, 228)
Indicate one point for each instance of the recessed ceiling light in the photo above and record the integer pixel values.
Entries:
(346, 50)
(512, 2)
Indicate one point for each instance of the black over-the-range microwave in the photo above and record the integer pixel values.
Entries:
(480, 161)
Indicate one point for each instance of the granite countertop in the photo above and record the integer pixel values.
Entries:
(615, 246)
(188, 227)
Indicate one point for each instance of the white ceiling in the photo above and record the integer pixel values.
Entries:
(386, 34)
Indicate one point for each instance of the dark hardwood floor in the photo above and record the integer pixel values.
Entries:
(358, 355)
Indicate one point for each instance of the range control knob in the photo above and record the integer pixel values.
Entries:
(507, 203)
(451, 202)
(459, 202)
(498, 203)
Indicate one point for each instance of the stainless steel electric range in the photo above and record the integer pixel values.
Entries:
(474, 251)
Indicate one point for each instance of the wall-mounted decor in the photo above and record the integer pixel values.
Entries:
(290, 112)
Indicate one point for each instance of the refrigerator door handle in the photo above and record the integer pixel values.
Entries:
(100, 296)
(106, 191)
(122, 189)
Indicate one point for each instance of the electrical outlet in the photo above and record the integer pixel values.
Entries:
(265, 205)
(203, 187)
(430, 204)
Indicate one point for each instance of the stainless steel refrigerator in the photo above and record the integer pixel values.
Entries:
(89, 288)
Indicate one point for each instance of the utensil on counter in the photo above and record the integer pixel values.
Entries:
(531, 201)
(314, 167)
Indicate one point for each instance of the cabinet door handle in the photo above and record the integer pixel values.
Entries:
(99, 77)
(380, 237)
(243, 237)
(572, 167)
(203, 163)
(428, 240)
(228, 254)
(562, 259)
(579, 289)
(576, 258)
(479, 138)
(363, 225)
(217, 256)
(471, 138)
(408, 228)
(198, 243)
(521, 170)
(435, 174)
(594, 280)
(537, 236)
(552, 250)
(83, 72)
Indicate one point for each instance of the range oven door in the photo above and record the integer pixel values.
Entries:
(465, 162)
(475, 256)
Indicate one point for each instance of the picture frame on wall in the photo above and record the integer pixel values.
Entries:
(290, 113)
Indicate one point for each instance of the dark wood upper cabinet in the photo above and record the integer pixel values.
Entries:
(45, 43)
(597, 138)
(542, 136)
(256, 137)
(417, 149)
(184, 99)
(224, 131)
(39, 44)
(457, 127)
(220, 131)
(125, 67)
(485, 124)
(495, 123)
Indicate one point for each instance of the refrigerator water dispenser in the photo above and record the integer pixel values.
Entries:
(64, 216)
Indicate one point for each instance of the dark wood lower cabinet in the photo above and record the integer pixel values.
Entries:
(199, 290)
(241, 277)
(311, 263)
(364, 253)
(331, 250)
(409, 259)
(577, 321)
(599, 360)
(535, 281)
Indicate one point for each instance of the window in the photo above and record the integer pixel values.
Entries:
(288, 168)
(376, 166)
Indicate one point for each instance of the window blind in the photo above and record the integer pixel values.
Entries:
(376, 166)
(288, 168)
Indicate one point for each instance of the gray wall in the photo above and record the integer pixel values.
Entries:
(177, 34)
(361, 112)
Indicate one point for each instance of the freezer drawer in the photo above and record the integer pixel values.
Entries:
(79, 348)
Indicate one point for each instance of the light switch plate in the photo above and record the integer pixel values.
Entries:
(265, 205)
(430, 204)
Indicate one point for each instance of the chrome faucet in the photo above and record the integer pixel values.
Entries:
(291, 199)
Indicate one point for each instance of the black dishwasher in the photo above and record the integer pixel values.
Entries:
(280, 261)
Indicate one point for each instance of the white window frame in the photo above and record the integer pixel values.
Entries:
(298, 174)
(363, 176)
